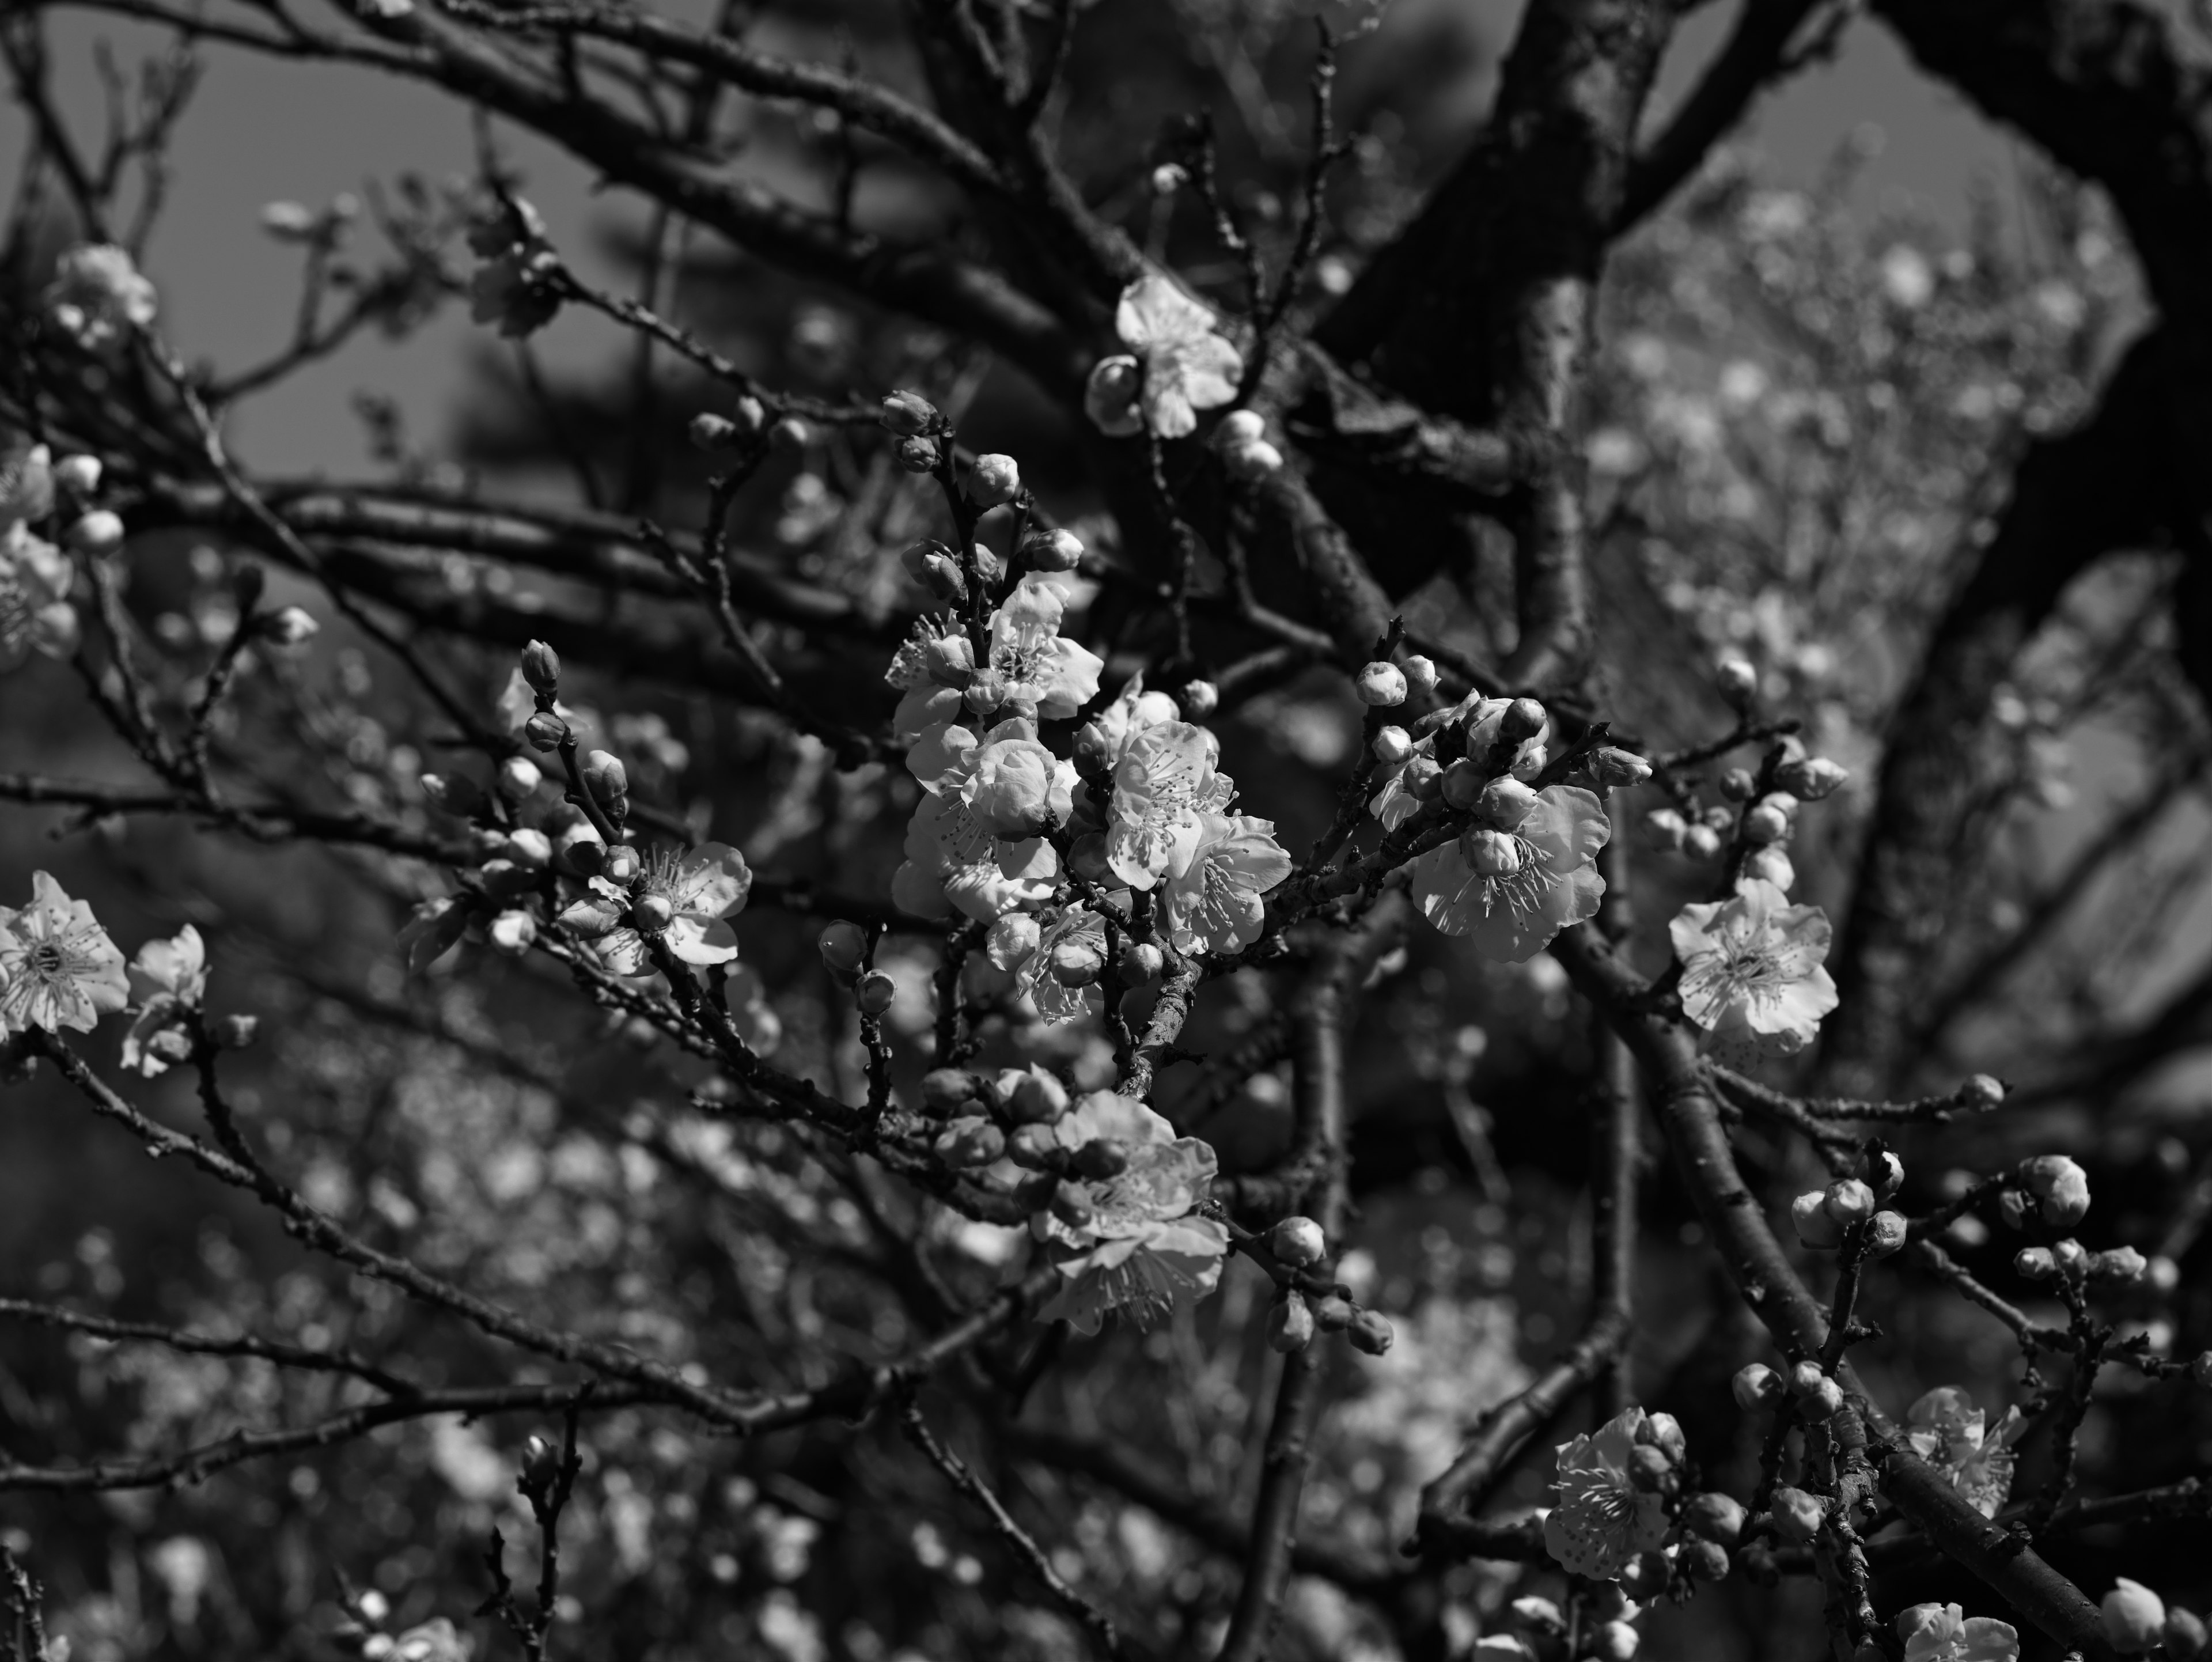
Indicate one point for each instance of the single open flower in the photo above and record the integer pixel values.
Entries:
(1752, 970)
(1603, 1521)
(1164, 786)
(1048, 677)
(170, 979)
(1139, 1247)
(700, 890)
(1942, 1633)
(1213, 905)
(1514, 916)
(99, 294)
(1947, 1430)
(58, 967)
(1179, 364)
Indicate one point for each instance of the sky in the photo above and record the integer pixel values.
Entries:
(262, 131)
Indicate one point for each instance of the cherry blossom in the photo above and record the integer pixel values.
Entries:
(702, 889)
(1056, 1000)
(58, 967)
(35, 614)
(1513, 917)
(1947, 1430)
(1942, 1633)
(1602, 1522)
(26, 481)
(1752, 970)
(99, 294)
(1048, 677)
(170, 979)
(1179, 364)
(1213, 905)
(1140, 1248)
(1164, 786)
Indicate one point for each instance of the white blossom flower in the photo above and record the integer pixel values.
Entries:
(99, 294)
(703, 888)
(1752, 970)
(35, 613)
(928, 671)
(1513, 917)
(1602, 1522)
(1179, 364)
(1942, 1633)
(953, 852)
(170, 978)
(58, 967)
(1213, 905)
(1048, 677)
(1056, 1002)
(1109, 734)
(26, 481)
(1947, 1430)
(1164, 786)
(1140, 1248)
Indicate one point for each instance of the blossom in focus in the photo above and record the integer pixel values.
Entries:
(1948, 1432)
(1601, 1522)
(1393, 802)
(1942, 1633)
(99, 294)
(1140, 1248)
(170, 979)
(35, 613)
(1752, 970)
(1015, 789)
(1164, 786)
(928, 671)
(1048, 677)
(956, 849)
(1178, 364)
(1483, 717)
(1213, 905)
(514, 287)
(58, 967)
(1512, 917)
(1076, 926)
(1134, 712)
(702, 889)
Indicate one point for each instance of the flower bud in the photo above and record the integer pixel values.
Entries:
(1765, 824)
(1524, 718)
(1771, 865)
(1738, 682)
(519, 777)
(1076, 963)
(590, 916)
(1100, 1160)
(711, 432)
(2134, 1617)
(532, 850)
(234, 1032)
(908, 414)
(1011, 940)
(874, 992)
(544, 732)
(1666, 828)
(1370, 1332)
(2035, 1263)
(944, 1089)
(1489, 853)
(1034, 1147)
(651, 912)
(1380, 685)
(1848, 1201)
(1647, 1575)
(942, 576)
(605, 778)
(2073, 1257)
(1169, 178)
(1701, 842)
(1462, 784)
(1805, 1378)
(1716, 1516)
(1981, 1091)
(512, 933)
(1420, 673)
(1334, 1314)
(287, 626)
(993, 479)
(1297, 1242)
(1504, 803)
(1240, 427)
(970, 1141)
(1073, 1207)
(1615, 1641)
(1052, 550)
(1199, 699)
(748, 415)
(792, 435)
(2012, 1207)
(1615, 769)
(1031, 1096)
(100, 532)
(1756, 1386)
(917, 455)
(541, 668)
(1424, 778)
(1797, 1515)
(1142, 961)
(1289, 1325)
(1704, 1561)
(1248, 463)
(1651, 1471)
(2162, 1273)
(1886, 1232)
(1737, 784)
(1811, 777)
(2122, 1265)
(2062, 1186)
(1884, 1172)
(1664, 1432)
(1815, 1226)
(844, 947)
(1392, 746)
(79, 473)
(2183, 1635)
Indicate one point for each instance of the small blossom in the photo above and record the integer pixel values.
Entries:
(170, 979)
(1941, 1633)
(1165, 787)
(514, 289)
(1047, 676)
(1213, 905)
(35, 613)
(699, 890)
(1947, 1431)
(1602, 1520)
(26, 481)
(1179, 364)
(1105, 740)
(58, 967)
(99, 294)
(1076, 929)
(1514, 916)
(1752, 970)
(953, 854)
(2134, 1617)
(1140, 1248)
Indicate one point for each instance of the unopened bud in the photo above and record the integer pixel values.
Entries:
(1489, 853)
(1169, 178)
(1011, 940)
(1075, 963)
(1886, 1232)
(1462, 784)
(985, 691)
(1504, 803)
(1334, 1314)
(1420, 673)
(748, 415)
(1666, 827)
(541, 668)
(1297, 1242)
(1073, 1207)
(100, 532)
(1701, 842)
(1704, 1561)
(1248, 463)
(2035, 1263)
(844, 947)
(1650, 1471)
(1142, 961)
(512, 933)
(1615, 769)
(1810, 777)
(942, 572)
(652, 911)
(1615, 1641)
(791, 435)
(1797, 1515)
(1052, 550)
(2185, 1635)
(1100, 1160)
(1380, 685)
(711, 432)
(1524, 718)
(1393, 746)
(1765, 824)
(1030, 1095)
(289, 222)
(1199, 699)
(532, 850)
(1370, 1332)
(1738, 682)
(287, 626)
(970, 1141)
(607, 779)
(1756, 1386)
(1737, 784)
(2060, 1185)
(1884, 1172)
(544, 732)
(874, 993)
(1848, 1201)
(1424, 778)
(541, 1468)
(993, 479)
(1240, 427)
(1981, 1091)
(917, 455)
(1816, 1227)
(1034, 1147)
(1716, 1516)
(908, 414)
(2121, 1264)
(1289, 1325)
(944, 1089)
(78, 473)
(2073, 1257)
(2134, 1617)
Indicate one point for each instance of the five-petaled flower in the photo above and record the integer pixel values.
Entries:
(1214, 903)
(1179, 364)
(1513, 917)
(58, 967)
(99, 294)
(1048, 677)
(1942, 1633)
(975, 793)
(35, 613)
(1947, 1430)
(1164, 786)
(1139, 1247)
(1601, 1522)
(702, 889)
(170, 978)
(1752, 970)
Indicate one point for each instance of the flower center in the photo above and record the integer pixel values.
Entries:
(46, 961)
